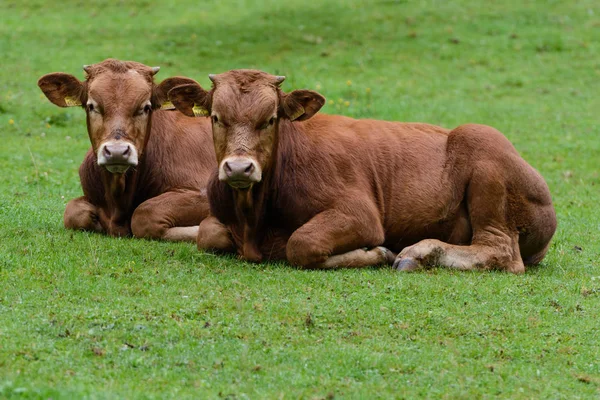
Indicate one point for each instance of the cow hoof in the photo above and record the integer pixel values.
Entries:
(387, 254)
(406, 264)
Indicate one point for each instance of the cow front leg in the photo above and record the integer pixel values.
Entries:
(173, 216)
(337, 238)
(213, 236)
(361, 258)
(80, 214)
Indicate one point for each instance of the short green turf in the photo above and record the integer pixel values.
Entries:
(88, 316)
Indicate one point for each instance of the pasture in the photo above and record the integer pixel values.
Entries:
(88, 316)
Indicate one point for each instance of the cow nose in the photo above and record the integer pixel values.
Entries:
(117, 153)
(238, 169)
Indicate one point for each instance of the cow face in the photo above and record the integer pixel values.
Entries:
(118, 98)
(245, 107)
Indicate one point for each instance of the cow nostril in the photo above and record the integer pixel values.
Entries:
(239, 169)
(106, 152)
(126, 152)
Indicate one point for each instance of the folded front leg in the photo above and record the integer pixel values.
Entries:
(336, 238)
(80, 214)
(214, 236)
(171, 216)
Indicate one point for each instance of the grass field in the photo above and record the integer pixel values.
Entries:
(87, 316)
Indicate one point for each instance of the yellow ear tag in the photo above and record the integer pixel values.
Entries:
(297, 114)
(72, 101)
(199, 111)
(167, 105)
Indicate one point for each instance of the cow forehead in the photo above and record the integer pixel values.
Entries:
(245, 103)
(119, 88)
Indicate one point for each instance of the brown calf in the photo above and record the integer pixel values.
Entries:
(147, 170)
(326, 192)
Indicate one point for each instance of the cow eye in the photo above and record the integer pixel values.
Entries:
(144, 110)
(93, 109)
(268, 123)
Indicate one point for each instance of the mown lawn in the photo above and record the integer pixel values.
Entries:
(87, 316)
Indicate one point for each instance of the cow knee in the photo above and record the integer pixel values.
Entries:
(214, 236)
(81, 215)
(146, 224)
(304, 252)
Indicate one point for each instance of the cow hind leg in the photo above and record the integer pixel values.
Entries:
(495, 243)
(535, 238)
(80, 214)
(173, 216)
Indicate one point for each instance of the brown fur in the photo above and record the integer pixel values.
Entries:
(330, 185)
(166, 189)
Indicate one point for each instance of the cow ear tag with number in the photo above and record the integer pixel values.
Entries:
(72, 101)
(200, 111)
(167, 105)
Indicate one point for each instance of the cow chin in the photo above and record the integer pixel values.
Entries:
(240, 185)
(117, 169)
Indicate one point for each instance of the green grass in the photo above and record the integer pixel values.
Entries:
(87, 316)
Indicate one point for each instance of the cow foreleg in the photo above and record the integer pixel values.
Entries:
(336, 238)
(171, 216)
(80, 214)
(214, 236)
(360, 258)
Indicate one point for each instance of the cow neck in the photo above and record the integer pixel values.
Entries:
(119, 193)
(250, 210)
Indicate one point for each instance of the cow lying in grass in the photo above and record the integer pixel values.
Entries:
(332, 191)
(147, 169)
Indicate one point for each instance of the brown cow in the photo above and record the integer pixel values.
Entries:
(147, 170)
(326, 192)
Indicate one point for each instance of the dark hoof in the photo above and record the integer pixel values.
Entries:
(406, 264)
(389, 255)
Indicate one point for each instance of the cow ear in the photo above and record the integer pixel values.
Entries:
(301, 104)
(62, 89)
(161, 91)
(191, 100)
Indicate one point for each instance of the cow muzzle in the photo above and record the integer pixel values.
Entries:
(240, 172)
(117, 156)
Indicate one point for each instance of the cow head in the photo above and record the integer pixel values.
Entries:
(118, 98)
(245, 107)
